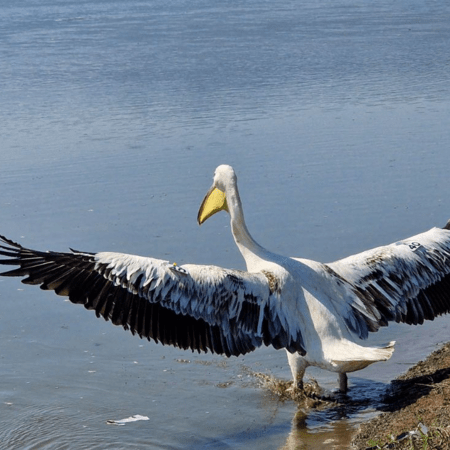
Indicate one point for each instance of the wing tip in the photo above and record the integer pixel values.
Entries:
(9, 242)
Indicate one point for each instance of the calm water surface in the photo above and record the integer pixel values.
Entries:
(114, 115)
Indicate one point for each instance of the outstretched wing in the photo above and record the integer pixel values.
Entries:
(198, 307)
(408, 281)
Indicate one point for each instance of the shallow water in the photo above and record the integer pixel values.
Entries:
(114, 115)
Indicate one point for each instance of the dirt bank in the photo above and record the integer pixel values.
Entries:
(416, 411)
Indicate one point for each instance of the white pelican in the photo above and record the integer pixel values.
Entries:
(319, 313)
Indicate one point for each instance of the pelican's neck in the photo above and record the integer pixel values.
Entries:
(248, 247)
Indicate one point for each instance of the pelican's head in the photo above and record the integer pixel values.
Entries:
(216, 200)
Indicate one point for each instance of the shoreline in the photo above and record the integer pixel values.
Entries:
(415, 411)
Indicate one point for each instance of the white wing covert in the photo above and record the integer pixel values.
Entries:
(203, 308)
(408, 281)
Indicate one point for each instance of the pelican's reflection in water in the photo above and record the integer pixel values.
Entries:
(336, 435)
(341, 418)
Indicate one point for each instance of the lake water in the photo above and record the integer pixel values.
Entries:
(336, 118)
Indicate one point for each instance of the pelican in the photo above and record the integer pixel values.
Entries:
(319, 313)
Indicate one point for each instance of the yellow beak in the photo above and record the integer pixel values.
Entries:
(214, 201)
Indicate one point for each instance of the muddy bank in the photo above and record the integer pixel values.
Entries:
(416, 410)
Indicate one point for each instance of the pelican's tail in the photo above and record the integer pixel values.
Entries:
(386, 352)
(358, 357)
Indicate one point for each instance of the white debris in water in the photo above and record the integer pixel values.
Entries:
(134, 418)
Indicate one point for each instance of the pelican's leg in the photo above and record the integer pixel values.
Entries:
(298, 366)
(343, 386)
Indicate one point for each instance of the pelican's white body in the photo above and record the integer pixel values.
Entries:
(315, 303)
